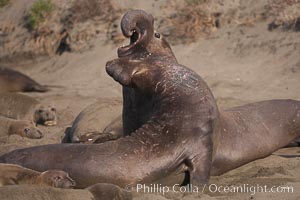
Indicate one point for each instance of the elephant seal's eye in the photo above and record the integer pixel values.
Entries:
(26, 130)
(57, 178)
(157, 35)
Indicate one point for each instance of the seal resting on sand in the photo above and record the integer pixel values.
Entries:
(175, 125)
(14, 81)
(22, 128)
(254, 131)
(88, 127)
(22, 107)
(16, 175)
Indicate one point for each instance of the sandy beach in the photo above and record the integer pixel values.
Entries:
(241, 62)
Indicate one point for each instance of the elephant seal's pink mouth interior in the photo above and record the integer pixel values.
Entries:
(134, 39)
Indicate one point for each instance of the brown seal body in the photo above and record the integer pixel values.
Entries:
(14, 81)
(173, 122)
(88, 127)
(22, 128)
(22, 107)
(254, 131)
(16, 175)
(170, 140)
(179, 120)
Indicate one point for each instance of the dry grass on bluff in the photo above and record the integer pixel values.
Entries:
(54, 27)
(285, 14)
(3, 3)
(197, 18)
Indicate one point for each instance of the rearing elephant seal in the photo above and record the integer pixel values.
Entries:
(14, 81)
(180, 114)
(22, 107)
(19, 127)
(175, 123)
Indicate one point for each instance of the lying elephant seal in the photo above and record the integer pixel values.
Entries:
(176, 125)
(23, 128)
(112, 131)
(14, 81)
(17, 175)
(255, 131)
(22, 107)
(90, 127)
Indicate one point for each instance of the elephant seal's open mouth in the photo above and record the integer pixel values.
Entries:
(134, 39)
(138, 26)
(50, 123)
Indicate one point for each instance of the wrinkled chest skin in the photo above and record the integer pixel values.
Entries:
(136, 109)
(174, 96)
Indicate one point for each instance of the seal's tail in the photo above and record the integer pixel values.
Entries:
(40, 88)
(44, 88)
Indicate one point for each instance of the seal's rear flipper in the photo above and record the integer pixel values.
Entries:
(40, 88)
(44, 88)
(53, 86)
(35, 87)
(99, 137)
